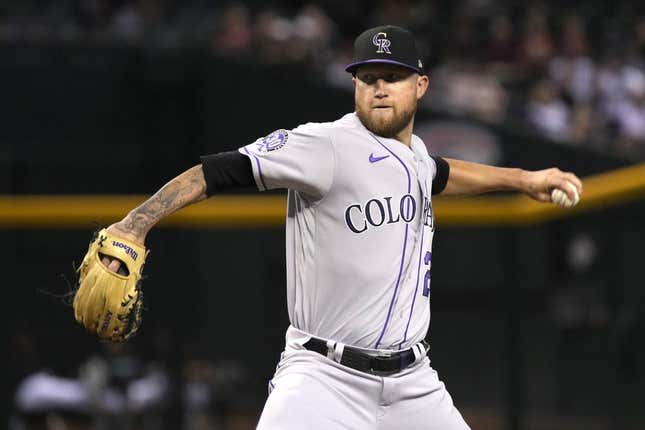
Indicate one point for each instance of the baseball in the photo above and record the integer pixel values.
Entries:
(560, 198)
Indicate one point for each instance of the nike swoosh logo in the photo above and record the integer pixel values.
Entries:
(374, 159)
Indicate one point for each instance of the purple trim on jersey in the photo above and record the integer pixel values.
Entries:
(257, 161)
(405, 243)
(423, 230)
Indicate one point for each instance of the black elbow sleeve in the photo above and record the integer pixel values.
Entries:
(226, 170)
(441, 178)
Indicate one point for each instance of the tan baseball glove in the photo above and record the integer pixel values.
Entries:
(109, 303)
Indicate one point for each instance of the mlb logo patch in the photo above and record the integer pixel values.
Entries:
(273, 141)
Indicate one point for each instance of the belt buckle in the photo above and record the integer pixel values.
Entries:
(383, 372)
(383, 355)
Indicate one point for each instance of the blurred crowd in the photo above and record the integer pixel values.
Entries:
(533, 64)
(127, 386)
(572, 71)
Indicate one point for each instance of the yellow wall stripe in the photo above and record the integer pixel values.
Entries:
(80, 211)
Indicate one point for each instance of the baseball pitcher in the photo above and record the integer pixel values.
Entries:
(359, 233)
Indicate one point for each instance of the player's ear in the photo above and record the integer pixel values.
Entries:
(422, 85)
(354, 80)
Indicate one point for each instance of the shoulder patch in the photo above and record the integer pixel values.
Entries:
(273, 141)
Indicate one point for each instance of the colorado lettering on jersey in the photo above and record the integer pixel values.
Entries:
(377, 212)
(428, 215)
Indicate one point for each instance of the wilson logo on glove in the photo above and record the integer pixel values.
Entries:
(128, 250)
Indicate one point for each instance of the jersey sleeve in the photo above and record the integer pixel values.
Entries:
(301, 159)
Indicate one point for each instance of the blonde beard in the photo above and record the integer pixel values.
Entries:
(384, 128)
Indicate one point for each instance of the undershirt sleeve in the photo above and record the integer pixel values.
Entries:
(441, 177)
(226, 170)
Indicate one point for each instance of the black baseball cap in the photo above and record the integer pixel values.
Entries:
(389, 44)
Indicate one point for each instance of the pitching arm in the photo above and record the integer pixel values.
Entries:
(216, 172)
(467, 178)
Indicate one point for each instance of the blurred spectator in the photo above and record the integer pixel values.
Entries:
(501, 51)
(313, 29)
(611, 81)
(233, 35)
(572, 69)
(272, 35)
(464, 41)
(547, 112)
(198, 378)
(501, 46)
(335, 70)
(629, 113)
(583, 125)
(466, 88)
(217, 396)
(536, 47)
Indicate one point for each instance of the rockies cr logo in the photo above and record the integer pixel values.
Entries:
(380, 40)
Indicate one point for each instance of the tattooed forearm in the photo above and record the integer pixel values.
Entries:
(185, 189)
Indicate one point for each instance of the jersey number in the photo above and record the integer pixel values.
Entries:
(426, 279)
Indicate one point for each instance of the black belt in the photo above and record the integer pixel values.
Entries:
(359, 360)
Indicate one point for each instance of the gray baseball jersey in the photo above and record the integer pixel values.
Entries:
(359, 230)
